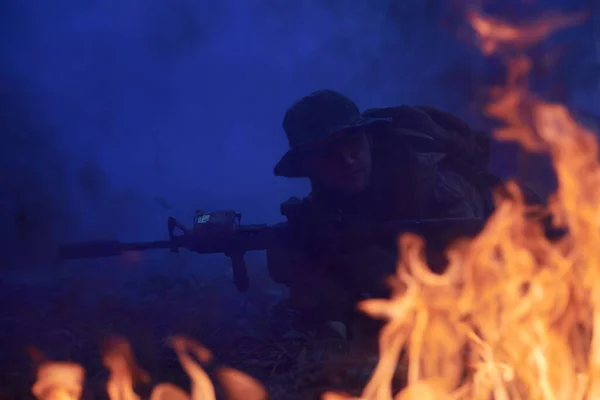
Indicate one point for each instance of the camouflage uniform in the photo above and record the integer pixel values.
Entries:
(411, 179)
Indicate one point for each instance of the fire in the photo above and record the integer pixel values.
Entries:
(58, 381)
(516, 312)
(514, 316)
(495, 35)
(64, 381)
(119, 360)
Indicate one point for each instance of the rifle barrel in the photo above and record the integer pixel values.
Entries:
(106, 248)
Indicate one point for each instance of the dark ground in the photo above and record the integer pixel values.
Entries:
(249, 332)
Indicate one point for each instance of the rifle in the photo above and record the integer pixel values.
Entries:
(222, 232)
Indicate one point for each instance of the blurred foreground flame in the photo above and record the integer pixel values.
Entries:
(64, 381)
(58, 381)
(515, 315)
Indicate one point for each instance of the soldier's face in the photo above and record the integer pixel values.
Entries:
(343, 165)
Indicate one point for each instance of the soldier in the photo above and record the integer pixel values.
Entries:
(384, 164)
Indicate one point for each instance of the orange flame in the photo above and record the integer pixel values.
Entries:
(64, 381)
(124, 373)
(58, 381)
(495, 34)
(516, 311)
